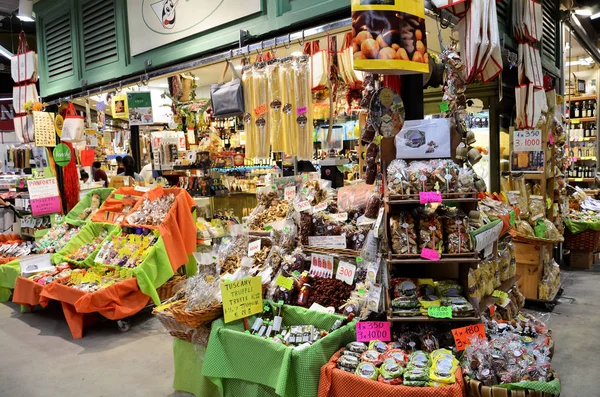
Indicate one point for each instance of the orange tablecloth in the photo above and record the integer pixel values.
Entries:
(27, 292)
(337, 383)
(116, 302)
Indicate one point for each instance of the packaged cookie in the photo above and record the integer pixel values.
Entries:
(374, 203)
(456, 226)
(430, 231)
(403, 235)
(445, 175)
(466, 181)
(537, 209)
(396, 177)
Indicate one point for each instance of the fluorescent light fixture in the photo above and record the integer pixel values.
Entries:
(4, 52)
(595, 16)
(584, 12)
(297, 53)
(238, 67)
(581, 62)
(25, 13)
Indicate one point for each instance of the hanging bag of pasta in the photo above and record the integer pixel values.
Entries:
(389, 36)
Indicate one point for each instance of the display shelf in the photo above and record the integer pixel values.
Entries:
(585, 139)
(489, 300)
(582, 179)
(425, 319)
(443, 260)
(581, 120)
(581, 98)
(401, 200)
(585, 158)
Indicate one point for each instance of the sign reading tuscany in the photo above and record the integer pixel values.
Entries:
(154, 23)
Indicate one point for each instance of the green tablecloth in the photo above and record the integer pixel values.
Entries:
(88, 234)
(244, 365)
(188, 360)
(86, 201)
(8, 276)
(577, 227)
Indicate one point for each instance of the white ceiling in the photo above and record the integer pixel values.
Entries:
(8, 6)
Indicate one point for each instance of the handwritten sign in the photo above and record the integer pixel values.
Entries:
(259, 111)
(327, 241)
(527, 140)
(285, 282)
(253, 247)
(320, 207)
(241, 298)
(345, 272)
(341, 216)
(43, 196)
(462, 336)
(367, 331)
(289, 193)
(486, 237)
(429, 254)
(440, 312)
(430, 197)
(301, 110)
(302, 206)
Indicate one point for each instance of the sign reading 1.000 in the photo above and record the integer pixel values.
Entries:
(527, 140)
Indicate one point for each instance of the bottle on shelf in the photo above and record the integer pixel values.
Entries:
(584, 109)
(260, 320)
(586, 129)
(577, 110)
(341, 322)
(590, 109)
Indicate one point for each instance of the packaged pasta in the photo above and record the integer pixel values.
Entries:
(303, 117)
(260, 91)
(537, 209)
(524, 228)
(275, 105)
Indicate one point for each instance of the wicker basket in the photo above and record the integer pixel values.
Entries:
(168, 320)
(476, 389)
(167, 290)
(585, 241)
(198, 336)
(195, 319)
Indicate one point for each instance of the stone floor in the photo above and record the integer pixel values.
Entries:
(40, 359)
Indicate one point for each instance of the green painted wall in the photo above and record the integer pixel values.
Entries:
(275, 15)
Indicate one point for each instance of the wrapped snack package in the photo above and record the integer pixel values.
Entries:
(518, 184)
(466, 181)
(396, 177)
(404, 238)
(537, 209)
(456, 226)
(445, 174)
(430, 231)
(524, 228)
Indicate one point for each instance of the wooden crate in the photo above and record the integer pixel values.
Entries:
(581, 259)
(530, 267)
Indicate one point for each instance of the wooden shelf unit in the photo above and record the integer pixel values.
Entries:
(506, 286)
(581, 98)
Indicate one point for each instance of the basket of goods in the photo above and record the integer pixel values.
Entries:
(168, 289)
(583, 231)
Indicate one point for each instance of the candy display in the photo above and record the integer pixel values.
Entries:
(86, 250)
(56, 238)
(16, 248)
(96, 278)
(88, 212)
(127, 250)
(44, 278)
(152, 212)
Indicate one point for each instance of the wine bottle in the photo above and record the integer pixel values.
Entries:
(341, 322)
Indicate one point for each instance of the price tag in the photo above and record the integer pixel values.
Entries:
(462, 336)
(259, 111)
(492, 310)
(429, 254)
(342, 216)
(345, 272)
(141, 189)
(527, 140)
(513, 197)
(430, 197)
(320, 207)
(241, 298)
(301, 110)
(285, 282)
(486, 237)
(513, 218)
(321, 265)
(302, 206)
(444, 107)
(440, 312)
(253, 247)
(379, 218)
(500, 294)
(367, 331)
(118, 197)
(289, 193)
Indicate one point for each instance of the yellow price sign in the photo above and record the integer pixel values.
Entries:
(241, 298)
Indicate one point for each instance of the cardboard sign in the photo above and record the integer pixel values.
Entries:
(527, 140)
(289, 193)
(285, 282)
(44, 197)
(440, 312)
(321, 265)
(254, 247)
(242, 298)
(429, 254)
(462, 336)
(345, 272)
(430, 197)
(367, 331)
(302, 206)
(327, 241)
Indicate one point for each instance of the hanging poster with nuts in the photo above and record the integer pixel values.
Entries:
(45, 134)
(419, 139)
(388, 36)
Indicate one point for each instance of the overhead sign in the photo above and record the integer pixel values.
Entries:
(140, 108)
(154, 23)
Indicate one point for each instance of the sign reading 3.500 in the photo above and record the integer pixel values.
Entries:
(527, 140)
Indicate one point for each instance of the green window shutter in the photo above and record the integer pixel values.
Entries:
(59, 47)
(550, 34)
(99, 33)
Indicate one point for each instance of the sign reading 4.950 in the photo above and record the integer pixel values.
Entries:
(527, 140)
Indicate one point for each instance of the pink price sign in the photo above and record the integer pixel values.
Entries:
(301, 110)
(430, 197)
(432, 255)
(44, 206)
(367, 331)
